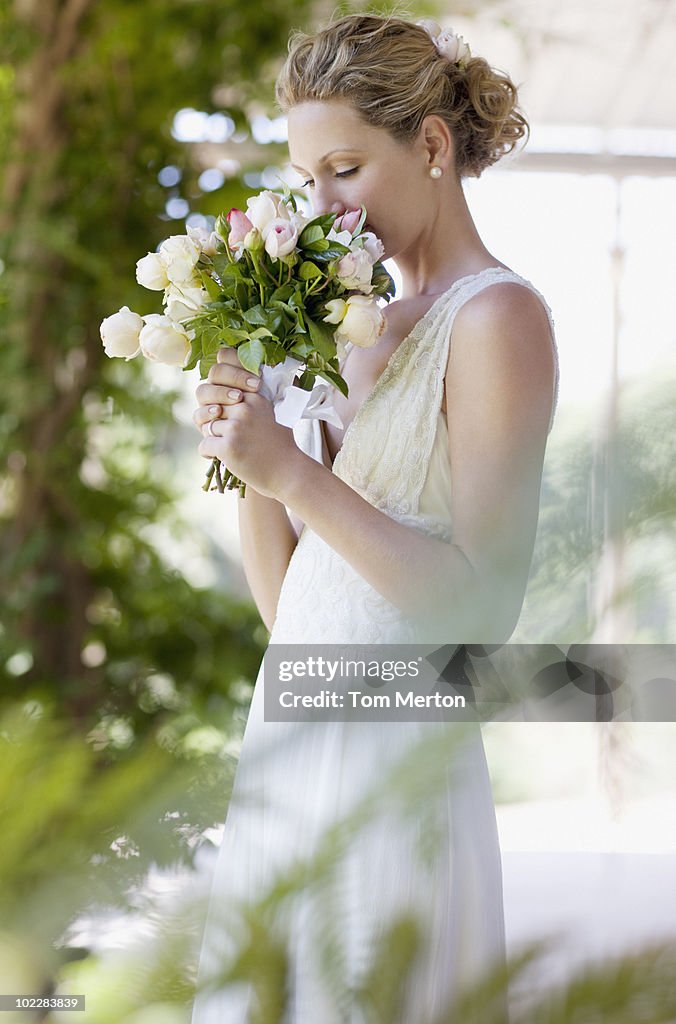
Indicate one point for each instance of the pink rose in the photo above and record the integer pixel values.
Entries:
(347, 221)
(373, 246)
(280, 237)
(355, 270)
(240, 226)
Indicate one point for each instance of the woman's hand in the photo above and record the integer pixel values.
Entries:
(246, 437)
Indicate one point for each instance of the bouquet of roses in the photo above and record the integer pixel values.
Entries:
(286, 291)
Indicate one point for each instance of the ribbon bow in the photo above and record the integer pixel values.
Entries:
(292, 404)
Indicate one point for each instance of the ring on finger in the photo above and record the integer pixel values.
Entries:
(210, 428)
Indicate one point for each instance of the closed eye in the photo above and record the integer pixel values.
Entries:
(339, 174)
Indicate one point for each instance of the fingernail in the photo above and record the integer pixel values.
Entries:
(213, 409)
(253, 382)
(234, 394)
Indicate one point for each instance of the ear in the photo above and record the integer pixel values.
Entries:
(436, 142)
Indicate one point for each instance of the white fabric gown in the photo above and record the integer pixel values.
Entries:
(294, 779)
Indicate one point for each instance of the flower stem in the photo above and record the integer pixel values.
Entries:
(210, 474)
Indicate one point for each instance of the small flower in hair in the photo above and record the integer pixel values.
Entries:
(449, 44)
(452, 46)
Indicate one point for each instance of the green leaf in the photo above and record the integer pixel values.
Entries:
(308, 271)
(211, 340)
(222, 305)
(251, 354)
(325, 221)
(261, 332)
(195, 353)
(225, 268)
(322, 337)
(213, 287)
(335, 251)
(206, 362)
(321, 245)
(283, 294)
(335, 378)
(306, 380)
(301, 348)
(241, 295)
(274, 353)
(382, 281)
(231, 336)
(256, 315)
(311, 233)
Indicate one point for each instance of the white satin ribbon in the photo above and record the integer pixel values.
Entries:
(290, 403)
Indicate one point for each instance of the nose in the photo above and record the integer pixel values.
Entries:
(321, 204)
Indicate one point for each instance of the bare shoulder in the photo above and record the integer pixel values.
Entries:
(501, 347)
(507, 305)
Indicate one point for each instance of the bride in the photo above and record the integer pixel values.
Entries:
(414, 522)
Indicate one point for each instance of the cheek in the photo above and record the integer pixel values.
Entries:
(391, 225)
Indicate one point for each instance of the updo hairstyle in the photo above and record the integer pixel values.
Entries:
(391, 72)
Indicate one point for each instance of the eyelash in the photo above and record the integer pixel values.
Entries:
(339, 174)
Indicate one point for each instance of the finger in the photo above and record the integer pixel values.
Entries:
(230, 374)
(227, 354)
(208, 448)
(234, 411)
(208, 428)
(206, 413)
(216, 394)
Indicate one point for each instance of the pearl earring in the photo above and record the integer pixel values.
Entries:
(436, 172)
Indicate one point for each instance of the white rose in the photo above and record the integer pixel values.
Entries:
(373, 246)
(164, 341)
(182, 303)
(337, 309)
(120, 333)
(207, 241)
(151, 272)
(280, 237)
(180, 255)
(355, 270)
(194, 297)
(299, 221)
(363, 322)
(264, 207)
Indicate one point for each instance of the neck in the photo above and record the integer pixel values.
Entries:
(447, 248)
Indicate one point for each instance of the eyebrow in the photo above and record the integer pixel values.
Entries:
(327, 155)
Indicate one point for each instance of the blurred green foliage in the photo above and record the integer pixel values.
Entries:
(89, 608)
(595, 489)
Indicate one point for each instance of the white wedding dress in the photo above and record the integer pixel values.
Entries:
(436, 857)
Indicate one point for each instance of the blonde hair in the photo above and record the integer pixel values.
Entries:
(390, 71)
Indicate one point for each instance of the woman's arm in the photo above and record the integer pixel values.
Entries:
(267, 536)
(499, 392)
(267, 541)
